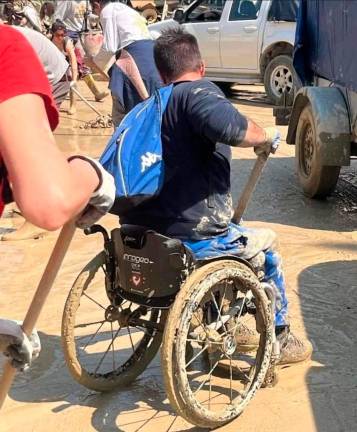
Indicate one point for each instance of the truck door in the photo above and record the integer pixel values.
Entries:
(241, 33)
(203, 21)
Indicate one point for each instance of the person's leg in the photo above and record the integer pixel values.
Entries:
(258, 247)
(60, 91)
(292, 349)
(118, 112)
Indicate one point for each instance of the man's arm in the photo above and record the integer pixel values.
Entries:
(48, 190)
(213, 116)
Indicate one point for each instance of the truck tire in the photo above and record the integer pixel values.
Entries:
(317, 180)
(280, 75)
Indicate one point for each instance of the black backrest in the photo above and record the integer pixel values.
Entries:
(149, 264)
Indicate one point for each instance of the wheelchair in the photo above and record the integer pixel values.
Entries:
(145, 291)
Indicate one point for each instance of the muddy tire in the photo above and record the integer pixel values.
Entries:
(119, 374)
(279, 76)
(316, 180)
(197, 288)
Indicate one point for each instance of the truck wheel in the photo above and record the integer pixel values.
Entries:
(278, 77)
(317, 180)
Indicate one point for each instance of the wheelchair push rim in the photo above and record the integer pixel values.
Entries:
(215, 383)
(106, 347)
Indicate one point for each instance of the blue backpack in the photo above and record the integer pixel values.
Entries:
(134, 154)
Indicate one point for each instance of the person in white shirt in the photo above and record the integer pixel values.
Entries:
(72, 13)
(133, 77)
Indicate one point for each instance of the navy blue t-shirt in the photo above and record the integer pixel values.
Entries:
(199, 126)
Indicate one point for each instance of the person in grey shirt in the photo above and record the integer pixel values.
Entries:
(54, 63)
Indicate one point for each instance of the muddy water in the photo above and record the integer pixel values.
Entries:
(318, 244)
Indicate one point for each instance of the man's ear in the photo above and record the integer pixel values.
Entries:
(164, 79)
(202, 69)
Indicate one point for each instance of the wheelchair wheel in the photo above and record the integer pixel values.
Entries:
(210, 374)
(106, 347)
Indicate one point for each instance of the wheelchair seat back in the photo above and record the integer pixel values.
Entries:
(150, 267)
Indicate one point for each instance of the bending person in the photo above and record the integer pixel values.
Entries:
(48, 189)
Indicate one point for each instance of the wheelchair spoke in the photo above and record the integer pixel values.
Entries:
(223, 298)
(200, 323)
(107, 350)
(196, 356)
(195, 341)
(219, 312)
(93, 336)
(233, 330)
(209, 376)
(131, 339)
(230, 380)
(89, 324)
(94, 301)
(113, 348)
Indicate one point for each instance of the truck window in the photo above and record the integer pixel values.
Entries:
(206, 11)
(245, 10)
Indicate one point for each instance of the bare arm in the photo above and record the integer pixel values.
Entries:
(48, 190)
(254, 137)
(72, 60)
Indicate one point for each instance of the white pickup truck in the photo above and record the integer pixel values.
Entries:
(243, 41)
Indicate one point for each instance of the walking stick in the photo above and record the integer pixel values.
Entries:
(43, 289)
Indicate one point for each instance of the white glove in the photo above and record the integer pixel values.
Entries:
(14, 343)
(272, 142)
(101, 200)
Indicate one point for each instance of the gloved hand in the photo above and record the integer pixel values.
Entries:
(14, 343)
(271, 144)
(101, 200)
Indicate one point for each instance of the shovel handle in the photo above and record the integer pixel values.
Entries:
(75, 90)
(38, 301)
(249, 187)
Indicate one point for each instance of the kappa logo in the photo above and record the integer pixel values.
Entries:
(136, 259)
(149, 159)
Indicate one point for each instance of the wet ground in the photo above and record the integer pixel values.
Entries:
(318, 241)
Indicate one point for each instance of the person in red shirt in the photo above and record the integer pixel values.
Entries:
(48, 189)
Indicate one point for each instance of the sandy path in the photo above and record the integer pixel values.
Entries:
(318, 244)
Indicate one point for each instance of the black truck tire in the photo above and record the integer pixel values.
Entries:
(317, 180)
(280, 75)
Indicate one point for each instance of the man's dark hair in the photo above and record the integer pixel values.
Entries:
(176, 52)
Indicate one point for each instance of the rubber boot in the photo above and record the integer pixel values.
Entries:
(26, 231)
(89, 80)
(72, 103)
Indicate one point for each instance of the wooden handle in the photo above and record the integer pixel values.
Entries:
(249, 187)
(38, 301)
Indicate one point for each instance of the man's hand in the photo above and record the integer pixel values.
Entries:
(14, 343)
(102, 199)
(271, 144)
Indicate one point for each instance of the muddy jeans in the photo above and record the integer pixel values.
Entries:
(250, 244)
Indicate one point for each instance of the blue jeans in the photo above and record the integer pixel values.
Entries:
(249, 244)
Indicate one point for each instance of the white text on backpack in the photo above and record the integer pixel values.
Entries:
(149, 159)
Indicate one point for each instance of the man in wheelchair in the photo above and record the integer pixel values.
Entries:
(199, 126)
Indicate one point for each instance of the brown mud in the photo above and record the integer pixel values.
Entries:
(318, 242)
